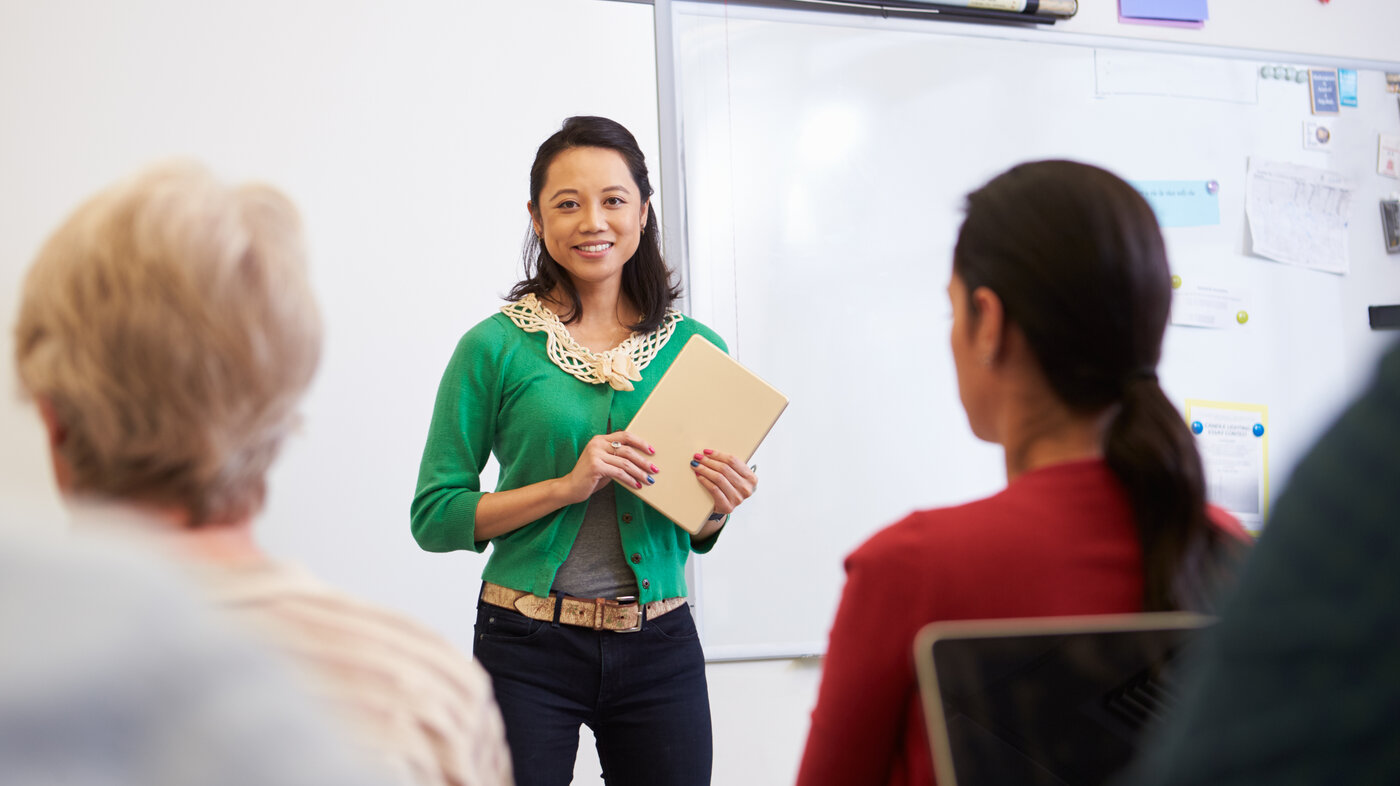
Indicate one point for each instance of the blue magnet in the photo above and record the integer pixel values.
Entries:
(1212, 186)
(1196, 427)
(1258, 429)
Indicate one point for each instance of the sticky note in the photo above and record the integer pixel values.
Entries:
(1182, 203)
(1177, 10)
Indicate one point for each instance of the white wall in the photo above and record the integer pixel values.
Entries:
(405, 132)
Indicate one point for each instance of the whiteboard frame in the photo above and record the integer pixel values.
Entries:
(674, 177)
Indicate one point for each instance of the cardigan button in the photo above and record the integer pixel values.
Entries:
(646, 583)
(627, 518)
(636, 559)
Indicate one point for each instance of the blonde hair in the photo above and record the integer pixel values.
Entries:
(170, 324)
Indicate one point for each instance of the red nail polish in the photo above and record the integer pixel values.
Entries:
(639, 484)
(699, 457)
(708, 451)
(651, 450)
(654, 469)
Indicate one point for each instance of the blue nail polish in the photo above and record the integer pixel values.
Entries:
(694, 463)
(650, 479)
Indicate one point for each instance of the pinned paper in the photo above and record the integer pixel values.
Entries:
(1317, 135)
(1182, 203)
(1388, 156)
(1206, 305)
(1322, 84)
(1298, 214)
(1233, 440)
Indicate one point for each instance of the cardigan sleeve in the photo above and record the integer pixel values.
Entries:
(867, 675)
(443, 513)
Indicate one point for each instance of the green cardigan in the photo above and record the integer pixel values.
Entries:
(501, 393)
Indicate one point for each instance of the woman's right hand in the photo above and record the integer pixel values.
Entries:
(630, 462)
(617, 456)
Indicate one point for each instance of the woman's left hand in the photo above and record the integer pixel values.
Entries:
(728, 479)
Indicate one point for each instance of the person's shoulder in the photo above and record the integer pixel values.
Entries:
(304, 606)
(914, 554)
(487, 344)
(67, 578)
(102, 618)
(292, 587)
(921, 533)
(689, 326)
(1227, 524)
(492, 332)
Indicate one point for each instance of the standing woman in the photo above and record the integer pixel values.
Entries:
(1060, 294)
(582, 616)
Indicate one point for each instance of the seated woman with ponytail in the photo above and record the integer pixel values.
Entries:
(1060, 295)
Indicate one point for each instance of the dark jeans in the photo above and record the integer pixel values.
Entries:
(643, 694)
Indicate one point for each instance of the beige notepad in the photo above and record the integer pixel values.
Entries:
(704, 400)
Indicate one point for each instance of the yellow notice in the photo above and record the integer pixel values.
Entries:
(1233, 440)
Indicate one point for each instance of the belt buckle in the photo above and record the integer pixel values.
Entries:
(641, 613)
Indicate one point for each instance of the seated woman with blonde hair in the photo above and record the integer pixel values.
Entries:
(167, 333)
(1060, 293)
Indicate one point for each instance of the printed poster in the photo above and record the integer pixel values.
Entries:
(1233, 440)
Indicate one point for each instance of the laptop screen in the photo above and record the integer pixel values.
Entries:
(1047, 701)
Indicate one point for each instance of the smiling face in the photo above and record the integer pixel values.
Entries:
(590, 214)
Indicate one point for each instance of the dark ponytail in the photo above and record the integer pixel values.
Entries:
(1149, 448)
(1076, 257)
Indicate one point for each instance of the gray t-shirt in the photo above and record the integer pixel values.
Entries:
(597, 566)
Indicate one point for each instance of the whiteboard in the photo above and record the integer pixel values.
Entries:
(825, 163)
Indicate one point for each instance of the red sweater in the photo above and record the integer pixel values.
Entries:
(1059, 540)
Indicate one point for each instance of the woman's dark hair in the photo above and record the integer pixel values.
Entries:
(1075, 255)
(646, 280)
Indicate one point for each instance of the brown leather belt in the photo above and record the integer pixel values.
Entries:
(595, 613)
